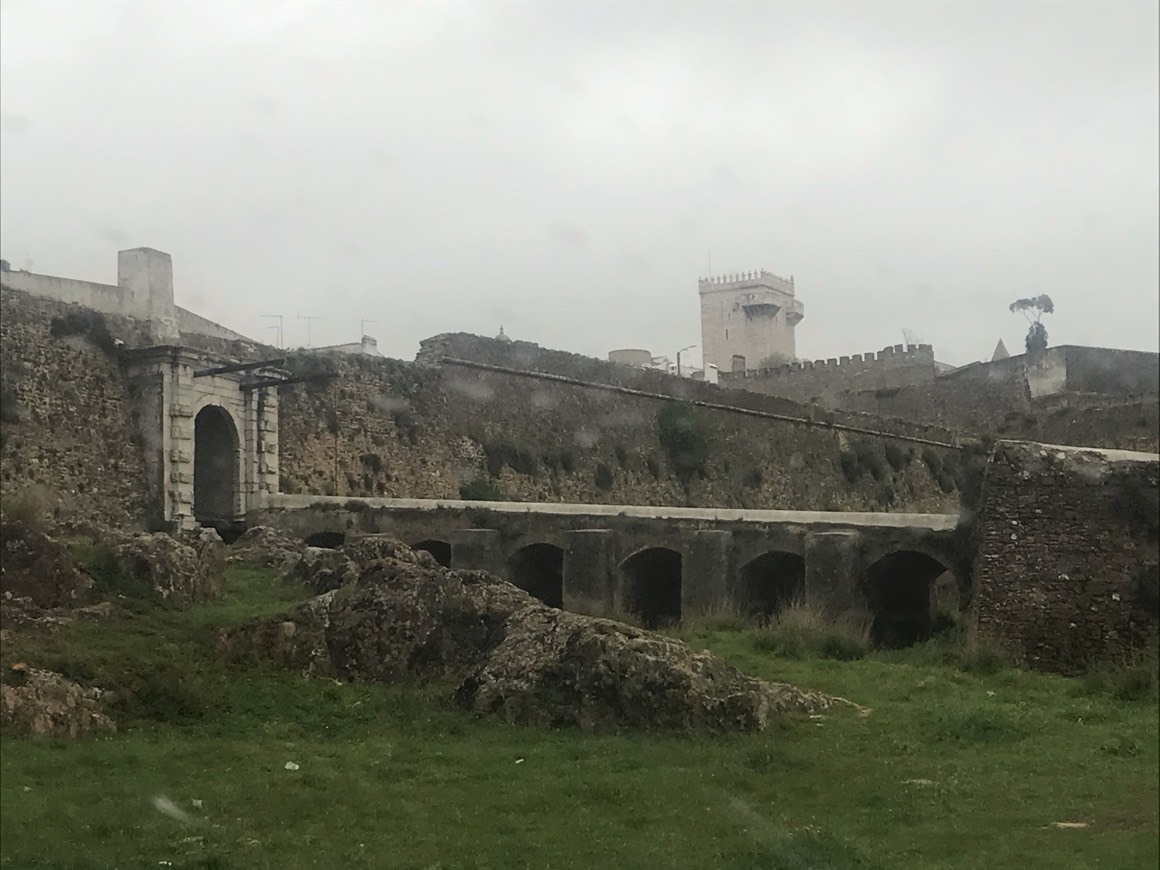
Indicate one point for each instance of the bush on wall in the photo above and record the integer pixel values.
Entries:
(682, 434)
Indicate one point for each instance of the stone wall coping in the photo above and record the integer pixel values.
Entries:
(1107, 453)
(934, 522)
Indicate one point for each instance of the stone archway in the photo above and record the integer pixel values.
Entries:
(215, 466)
(538, 569)
(771, 582)
(899, 589)
(651, 584)
(439, 550)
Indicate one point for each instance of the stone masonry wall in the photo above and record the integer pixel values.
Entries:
(68, 431)
(389, 428)
(1066, 570)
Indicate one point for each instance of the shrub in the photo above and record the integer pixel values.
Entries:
(800, 629)
(682, 434)
(31, 506)
(870, 459)
(482, 489)
(621, 456)
(86, 324)
(501, 453)
(9, 407)
(753, 479)
(372, 461)
(932, 460)
(851, 469)
(603, 477)
(654, 467)
(985, 660)
(897, 456)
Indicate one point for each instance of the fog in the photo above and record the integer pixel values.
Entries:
(569, 170)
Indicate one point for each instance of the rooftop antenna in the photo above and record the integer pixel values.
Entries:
(277, 326)
(309, 320)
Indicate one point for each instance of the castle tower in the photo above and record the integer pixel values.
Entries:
(747, 318)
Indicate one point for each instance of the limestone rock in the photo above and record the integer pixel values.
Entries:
(405, 618)
(176, 571)
(264, 545)
(555, 668)
(43, 703)
(39, 569)
(321, 569)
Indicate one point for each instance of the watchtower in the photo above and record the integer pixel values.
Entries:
(746, 318)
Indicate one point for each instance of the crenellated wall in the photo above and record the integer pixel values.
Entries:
(823, 380)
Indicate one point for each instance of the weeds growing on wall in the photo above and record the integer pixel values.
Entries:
(503, 453)
(86, 324)
(684, 437)
(9, 406)
(603, 477)
(482, 489)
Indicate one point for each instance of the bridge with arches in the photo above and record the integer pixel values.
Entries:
(662, 563)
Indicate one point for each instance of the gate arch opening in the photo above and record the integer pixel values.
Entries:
(215, 467)
(651, 584)
(770, 582)
(439, 550)
(538, 569)
(899, 590)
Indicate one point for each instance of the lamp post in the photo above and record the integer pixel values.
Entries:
(679, 352)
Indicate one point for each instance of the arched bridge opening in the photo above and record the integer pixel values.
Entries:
(651, 586)
(900, 591)
(329, 540)
(770, 582)
(538, 569)
(215, 467)
(439, 550)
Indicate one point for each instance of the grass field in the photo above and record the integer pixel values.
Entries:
(950, 769)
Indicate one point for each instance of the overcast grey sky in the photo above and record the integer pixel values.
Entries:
(568, 169)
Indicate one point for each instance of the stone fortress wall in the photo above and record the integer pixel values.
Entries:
(807, 380)
(144, 292)
(391, 428)
(1066, 574)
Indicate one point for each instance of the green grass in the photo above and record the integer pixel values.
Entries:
(952, 768)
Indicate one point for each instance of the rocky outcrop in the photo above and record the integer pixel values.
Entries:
(43, 703)
(174, 571)
(40, 570)
(555, 668)
(263, 545)
(407, 618)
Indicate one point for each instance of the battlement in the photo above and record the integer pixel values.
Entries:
(745, 281)
(889, 358)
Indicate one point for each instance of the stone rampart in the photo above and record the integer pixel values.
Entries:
(1066, 571)
(389, 428)
(820, 380)
(69, 431)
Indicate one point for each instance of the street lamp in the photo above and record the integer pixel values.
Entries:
(679, 352)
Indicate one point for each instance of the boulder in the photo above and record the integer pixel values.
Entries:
(263, 545)
(406, 618)
(555, 668)
(321, 569)
(175, 571)
(43, 703)
(39, 571)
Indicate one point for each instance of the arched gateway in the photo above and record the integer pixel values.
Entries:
(210, 429)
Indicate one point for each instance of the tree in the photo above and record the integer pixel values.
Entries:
(1033, 308)
(4, 267)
